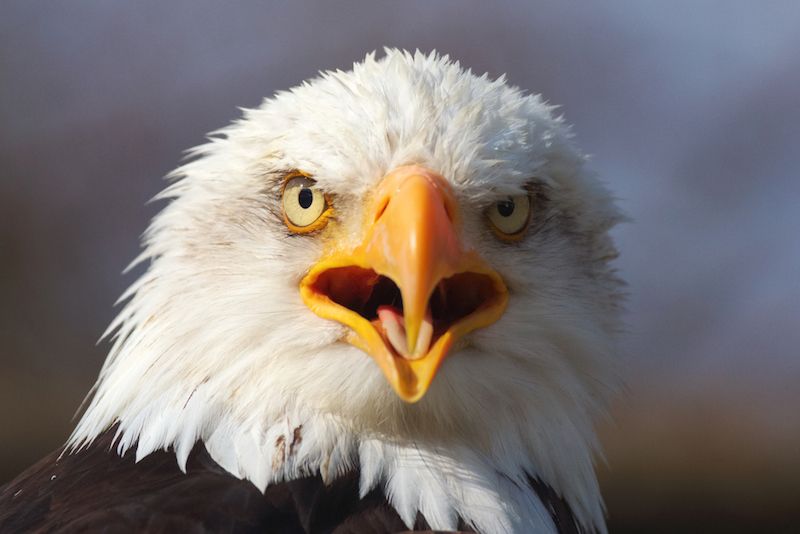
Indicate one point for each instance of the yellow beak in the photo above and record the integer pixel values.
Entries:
(409, 290)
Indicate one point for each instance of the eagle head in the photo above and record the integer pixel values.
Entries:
(399, 266)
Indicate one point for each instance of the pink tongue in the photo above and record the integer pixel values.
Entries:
(394, 326)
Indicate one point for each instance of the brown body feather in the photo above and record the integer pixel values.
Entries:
(96, 490)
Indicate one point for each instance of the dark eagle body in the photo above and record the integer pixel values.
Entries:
(97, 490)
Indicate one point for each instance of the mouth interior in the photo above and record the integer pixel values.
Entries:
(377, 299)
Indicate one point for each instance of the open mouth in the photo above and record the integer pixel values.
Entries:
(410, 289)
(378, 299)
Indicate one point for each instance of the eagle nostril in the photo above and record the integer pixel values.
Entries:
(382, 208)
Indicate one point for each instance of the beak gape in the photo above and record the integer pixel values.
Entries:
(409, 290)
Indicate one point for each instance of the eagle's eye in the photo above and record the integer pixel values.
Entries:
(305, 207)
(510, 217)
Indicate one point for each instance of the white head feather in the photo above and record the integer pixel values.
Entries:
(215, 344)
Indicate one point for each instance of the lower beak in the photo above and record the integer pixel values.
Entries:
(409, 290)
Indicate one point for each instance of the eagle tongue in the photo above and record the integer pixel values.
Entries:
(394, 328)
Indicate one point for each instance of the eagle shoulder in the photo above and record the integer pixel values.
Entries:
(96, 489)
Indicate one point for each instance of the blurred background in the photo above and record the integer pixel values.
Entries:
(691, 111)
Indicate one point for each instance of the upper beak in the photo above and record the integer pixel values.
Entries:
(410, 262)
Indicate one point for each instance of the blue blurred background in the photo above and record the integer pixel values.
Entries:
(691, 111)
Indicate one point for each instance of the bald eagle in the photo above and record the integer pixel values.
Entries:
(380, 301)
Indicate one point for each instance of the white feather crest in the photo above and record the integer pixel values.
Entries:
(215, 345)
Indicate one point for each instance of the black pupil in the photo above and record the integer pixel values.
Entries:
(505, 208)
(305, 198)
